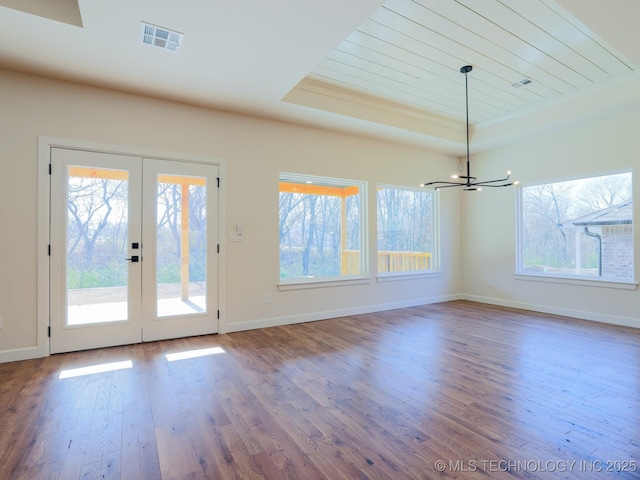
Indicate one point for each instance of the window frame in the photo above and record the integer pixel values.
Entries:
(435, 237)
(566, 278)
(294, 283)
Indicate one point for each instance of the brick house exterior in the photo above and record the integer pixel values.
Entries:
(613, 226)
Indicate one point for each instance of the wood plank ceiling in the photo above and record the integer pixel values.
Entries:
(409, 53)
(380, 69)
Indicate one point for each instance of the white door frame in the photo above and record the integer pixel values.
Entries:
(45, 144)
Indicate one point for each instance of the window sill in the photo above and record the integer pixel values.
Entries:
(570, 280)
(299, 284)
(416, 275)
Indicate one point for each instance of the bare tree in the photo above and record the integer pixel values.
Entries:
(310, 233)
(308, 242)
(169, 195)
(404, 220)
(545, 208)
(95, 206)
(602, 192)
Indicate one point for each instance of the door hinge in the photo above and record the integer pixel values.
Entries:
(49, 169)
(49, 250)
(218, 179)
(218, 248)
(218, 314)
(49, 332)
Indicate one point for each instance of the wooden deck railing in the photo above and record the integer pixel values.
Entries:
(387, 261)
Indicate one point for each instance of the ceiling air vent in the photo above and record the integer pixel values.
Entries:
(160, 37)
(521, 83)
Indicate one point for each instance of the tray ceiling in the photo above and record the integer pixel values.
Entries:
(388, 70)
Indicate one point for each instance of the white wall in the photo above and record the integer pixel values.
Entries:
(253, 150)
(604, 142)
(477, 230)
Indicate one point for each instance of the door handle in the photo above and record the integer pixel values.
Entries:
(134, 258)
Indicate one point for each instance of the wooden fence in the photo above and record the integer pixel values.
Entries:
(387, 261)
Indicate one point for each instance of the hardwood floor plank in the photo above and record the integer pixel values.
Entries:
(492, 392)
(177, 459)
(310, 439)
(245, 467)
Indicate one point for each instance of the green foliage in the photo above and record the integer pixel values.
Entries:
(168, 273)
(110, 274)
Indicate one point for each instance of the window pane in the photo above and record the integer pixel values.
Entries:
(181, 245)
(97, 245)
(581, 227)
(405, 230)
(320, 228)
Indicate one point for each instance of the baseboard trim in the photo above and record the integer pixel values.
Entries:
(311, 317)
(565, 312)
(18, 354)
(28, 353)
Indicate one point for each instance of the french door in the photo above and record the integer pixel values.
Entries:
(133, 249)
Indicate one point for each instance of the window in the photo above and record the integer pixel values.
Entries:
(322, 228)
(405, 230)
(581, 228)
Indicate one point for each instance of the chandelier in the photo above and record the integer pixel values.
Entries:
(467, 182)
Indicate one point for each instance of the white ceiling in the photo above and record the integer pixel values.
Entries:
(385, 69)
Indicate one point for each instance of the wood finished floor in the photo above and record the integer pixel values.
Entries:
(490, 392)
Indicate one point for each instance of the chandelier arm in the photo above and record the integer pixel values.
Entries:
(495, 186)
(455, 185)
(465, 176)
(452, 184)
(487, 182)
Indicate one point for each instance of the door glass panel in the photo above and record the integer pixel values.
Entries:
(181, 259)
(97, 245)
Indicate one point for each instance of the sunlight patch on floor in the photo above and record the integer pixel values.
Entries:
(203, 352)
(93, 369)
